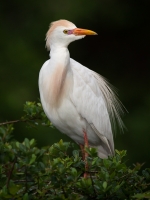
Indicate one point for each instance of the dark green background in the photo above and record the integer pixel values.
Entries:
(120, 52)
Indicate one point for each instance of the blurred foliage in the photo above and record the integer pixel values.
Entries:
(34, 115)
(53, 172)
(120, 52)
(29, 172)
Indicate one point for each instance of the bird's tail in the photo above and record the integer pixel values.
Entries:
(103, 153)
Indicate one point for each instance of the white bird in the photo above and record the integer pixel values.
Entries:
(78, 101)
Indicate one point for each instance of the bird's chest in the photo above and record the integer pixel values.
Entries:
(55, 87)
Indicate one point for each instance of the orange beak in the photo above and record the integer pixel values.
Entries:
(80, 31)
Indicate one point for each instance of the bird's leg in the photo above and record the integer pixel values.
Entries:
(86, 145)
(82, 151)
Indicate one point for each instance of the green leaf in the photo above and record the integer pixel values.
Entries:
(104, 184)
(74, 171)
(117, 152)
(33, 158)
(75, 153)
(13, 189)
(17, 144)
(27, 143)
(32, 142)
(142, 195)
(106, 163)
(26, 197)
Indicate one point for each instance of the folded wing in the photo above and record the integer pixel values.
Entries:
(96, 102)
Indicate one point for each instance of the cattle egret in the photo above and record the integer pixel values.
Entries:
(78, 101)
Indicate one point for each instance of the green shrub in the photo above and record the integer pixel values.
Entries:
(56, 172)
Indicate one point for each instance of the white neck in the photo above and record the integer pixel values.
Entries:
(60, 55)
(61, 75)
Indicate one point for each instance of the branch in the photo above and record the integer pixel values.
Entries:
(10, 172)
(19, 120)
(12, 122)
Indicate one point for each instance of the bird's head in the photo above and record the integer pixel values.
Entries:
(62, 32)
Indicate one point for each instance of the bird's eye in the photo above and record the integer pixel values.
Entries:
(65, 31)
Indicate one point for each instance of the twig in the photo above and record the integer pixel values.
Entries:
(92, 171)
(19, 120)
(22, 181)
(10, 173)
(14, 121)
